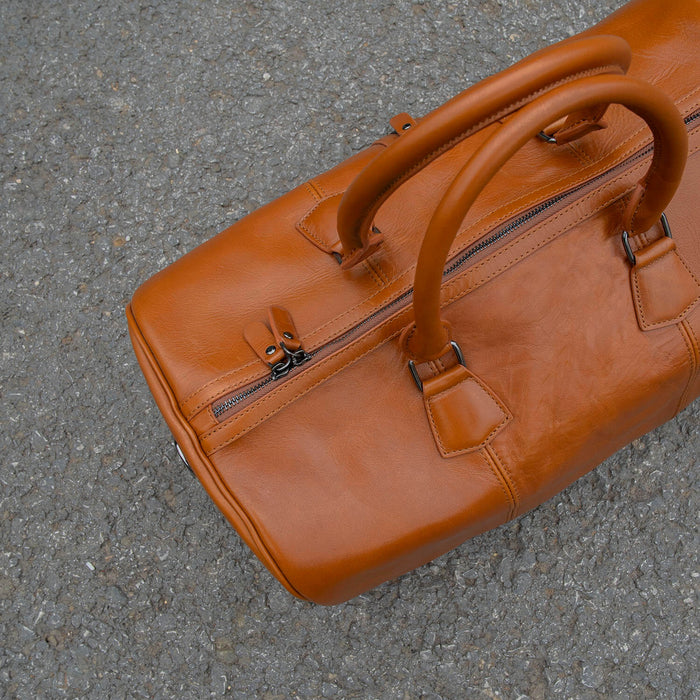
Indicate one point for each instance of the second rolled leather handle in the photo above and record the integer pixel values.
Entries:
(470, 111)
(429, 338)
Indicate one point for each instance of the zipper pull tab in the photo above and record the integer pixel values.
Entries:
(283, 328)
(264, 343)
(280, 349)
(286, 335)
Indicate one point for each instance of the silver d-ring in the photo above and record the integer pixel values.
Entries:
(414, 372)
(546, 137)
(626, 239)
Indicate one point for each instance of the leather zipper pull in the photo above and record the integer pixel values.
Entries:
(280, 348)
(285, 332)
(261, 339)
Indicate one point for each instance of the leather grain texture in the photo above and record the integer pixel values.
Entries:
(340, 473)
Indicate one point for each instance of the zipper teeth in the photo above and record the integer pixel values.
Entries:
(512, 226)
(369, 318)
(233, 400)
(517, 223)
(458, 262)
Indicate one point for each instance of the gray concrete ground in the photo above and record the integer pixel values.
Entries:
(131, 132)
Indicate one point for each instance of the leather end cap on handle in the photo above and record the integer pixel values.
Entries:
(420, 349)
(464, 414)
(371, 245)
(663, 287)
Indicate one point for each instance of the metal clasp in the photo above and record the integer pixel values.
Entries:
(414, 372)
(546, 137)
(291, 359)
(626, 239)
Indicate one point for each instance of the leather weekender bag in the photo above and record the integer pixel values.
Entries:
(454, 324)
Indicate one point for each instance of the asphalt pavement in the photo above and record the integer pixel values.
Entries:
(130, 132)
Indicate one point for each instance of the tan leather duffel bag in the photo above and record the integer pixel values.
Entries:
(451, 326)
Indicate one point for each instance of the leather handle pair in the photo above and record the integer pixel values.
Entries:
(468, 112)
(429, 338)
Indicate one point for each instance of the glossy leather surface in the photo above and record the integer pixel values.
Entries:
(334, 475)
(652, 195)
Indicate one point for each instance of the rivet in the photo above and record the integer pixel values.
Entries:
(406, 126)
(270, 349)
(287, 335)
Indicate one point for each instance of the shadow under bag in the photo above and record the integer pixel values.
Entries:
(451, 326)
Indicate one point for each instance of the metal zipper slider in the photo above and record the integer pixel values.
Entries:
(287, 338)
(280, 348)
(291, 360)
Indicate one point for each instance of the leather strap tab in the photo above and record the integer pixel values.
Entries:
(576, 131)
(319, 225)
(263, 342)
(464, 414)
(283, 328)
(663, 287)
(402, 122)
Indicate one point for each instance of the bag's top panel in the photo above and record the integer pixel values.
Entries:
(193, 314)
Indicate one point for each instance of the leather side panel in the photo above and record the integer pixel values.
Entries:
(348, 489)
(201, 466)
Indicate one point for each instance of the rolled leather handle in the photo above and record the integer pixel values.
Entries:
(429, 338)
(468, 112)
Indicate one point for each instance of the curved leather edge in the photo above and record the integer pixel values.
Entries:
(464, 413)
(197, 459)
(471, 110)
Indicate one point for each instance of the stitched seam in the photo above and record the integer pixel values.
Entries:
(696, 342)
(530, 250)
(659, 153)
(306, 230)
(583, 157)
(696, 345)
(317, 185)
(471, 448)
(507, 473)
(508, 109)
(688, 337)
(463, 450)
(490, 463)
(352, 360)
(410, 269)
(495, 255)
(475, 236)
(236, 506)
(455, 295)
(311, 188)
(508, 248)
(373, 273)
(495, 222)
(640, 300)
(380, 271)
(214, 381)
(474, 378)
(498, 466)
(586, 120)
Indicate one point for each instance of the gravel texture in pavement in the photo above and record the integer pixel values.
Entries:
(131, 132)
